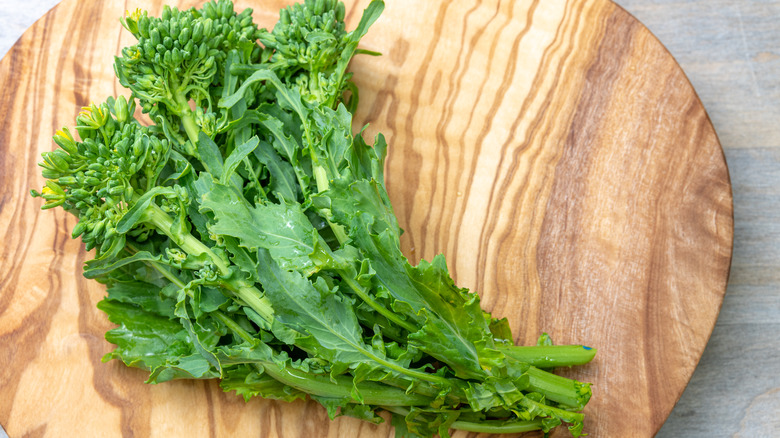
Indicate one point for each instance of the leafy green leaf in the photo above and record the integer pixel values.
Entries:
(282, 229)
(209, 154)
(282, 183)
(235, 158)
(95, 268)
(153, 342)
(247, 381)
(139, 211)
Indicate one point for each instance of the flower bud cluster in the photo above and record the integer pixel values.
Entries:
(179, 54)
(177, 202)
(307, 43)
(97, 177)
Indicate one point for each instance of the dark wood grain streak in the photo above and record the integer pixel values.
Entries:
(443, 147)
(542, 130)
(452, 224)
(411, 159)
(498, 99)
(23, 344)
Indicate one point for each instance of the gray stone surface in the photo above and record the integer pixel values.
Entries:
(16, 16)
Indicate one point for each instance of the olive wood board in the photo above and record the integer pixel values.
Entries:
(552, 150)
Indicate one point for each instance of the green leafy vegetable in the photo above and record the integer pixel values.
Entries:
(247, 235)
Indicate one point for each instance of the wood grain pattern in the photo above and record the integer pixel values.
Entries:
(552, 150)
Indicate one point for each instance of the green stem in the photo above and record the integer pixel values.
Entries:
(237, 69)
(341, 387)
(185, 114)
(191, 245)
(486, 426)
(421, 375)
(549, 356)
(364, 295)
(186, 241)
(497, 426)
(229, 323)
(167, 274)
(562, 414)
(321, 177)
(557, 388)
(233, 326)
(190, 127)
(254, 299)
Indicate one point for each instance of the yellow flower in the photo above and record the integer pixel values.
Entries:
(135, 15)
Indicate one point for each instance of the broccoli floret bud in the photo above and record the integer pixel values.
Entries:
(178, 57)
(309, 50)
(98, 177)
(306, 45)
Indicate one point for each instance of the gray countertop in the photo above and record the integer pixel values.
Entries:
(730, 50)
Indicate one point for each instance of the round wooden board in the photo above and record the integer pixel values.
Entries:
(552, 150)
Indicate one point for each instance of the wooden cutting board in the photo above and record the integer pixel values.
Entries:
(552, 150)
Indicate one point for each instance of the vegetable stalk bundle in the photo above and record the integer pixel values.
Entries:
(246, 235)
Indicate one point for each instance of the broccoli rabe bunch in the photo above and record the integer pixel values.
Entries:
(177, 65)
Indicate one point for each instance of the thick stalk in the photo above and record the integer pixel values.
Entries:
(190, 127)
(549, 356)
(563, 415)
(321, 178)
(341, 387)
(487, 426)
(497, 426)
(186, 241)
(185, 114)
(557, 388)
